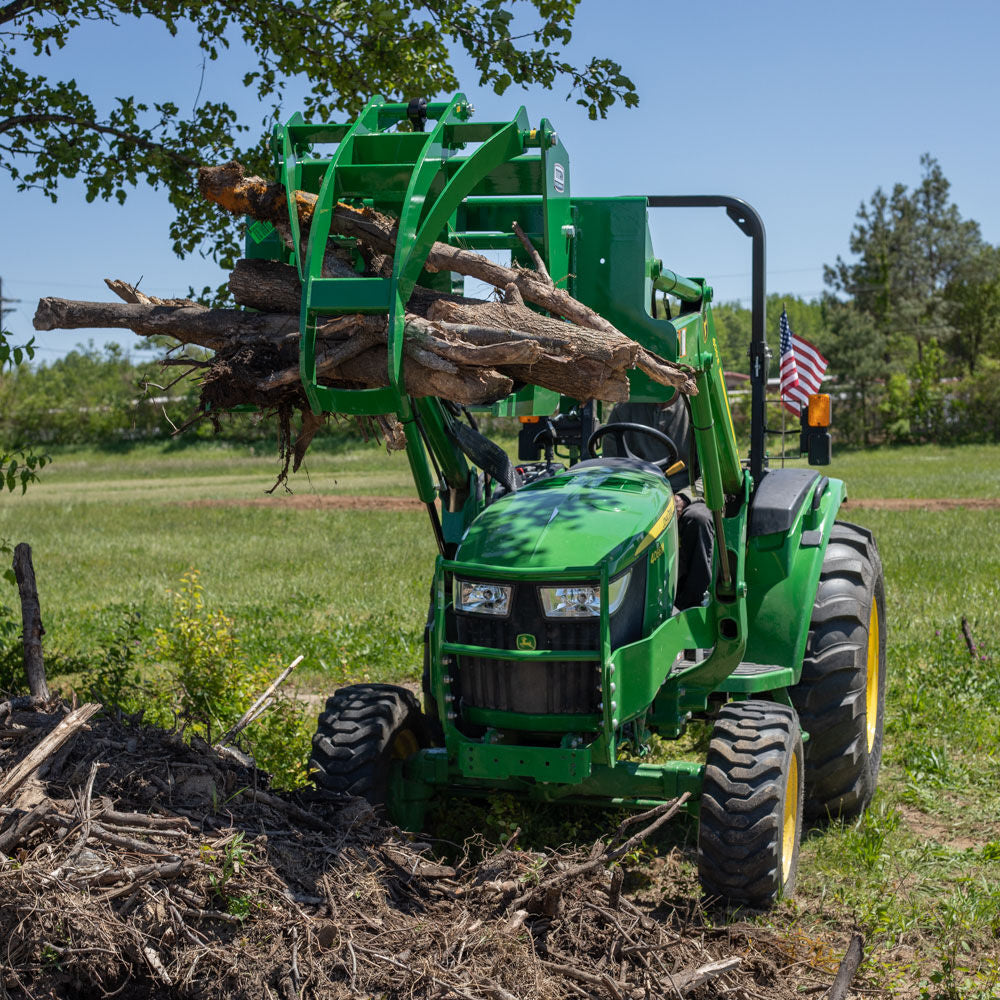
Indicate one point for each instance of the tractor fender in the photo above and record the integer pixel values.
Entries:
(778, 500)
(791, 518)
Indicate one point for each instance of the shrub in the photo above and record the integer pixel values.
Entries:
(213, 682)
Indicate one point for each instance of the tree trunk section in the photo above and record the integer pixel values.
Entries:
(211, 328)
(31, 621)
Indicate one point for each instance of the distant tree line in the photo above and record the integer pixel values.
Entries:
(101, 396)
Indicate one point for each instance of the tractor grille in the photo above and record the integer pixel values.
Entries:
(541, 687)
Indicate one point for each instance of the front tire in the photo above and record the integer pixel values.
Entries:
(840, 697)
(750, 820)
(363, 730)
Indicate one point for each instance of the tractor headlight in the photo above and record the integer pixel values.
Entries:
(583, 600)
(482, 598)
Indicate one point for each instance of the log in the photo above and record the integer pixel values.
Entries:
(211, 328)
(267, 285)
(50, 745)
(229, 186)
(270, 286)
(592, 367)
(256, 283)
(31, 622)
(230, 331)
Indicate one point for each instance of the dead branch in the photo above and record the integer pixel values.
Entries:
(260, 706)
(66, 728)
(31, 622)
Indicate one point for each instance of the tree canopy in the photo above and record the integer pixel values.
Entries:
(51, 130)
(909, 246)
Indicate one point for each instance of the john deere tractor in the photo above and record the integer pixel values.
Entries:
(552, 642)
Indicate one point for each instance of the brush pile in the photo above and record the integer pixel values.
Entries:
(136, 864)
(464, 350)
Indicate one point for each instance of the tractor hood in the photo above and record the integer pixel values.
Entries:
(582, 517)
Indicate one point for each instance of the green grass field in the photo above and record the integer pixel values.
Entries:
(919, 873)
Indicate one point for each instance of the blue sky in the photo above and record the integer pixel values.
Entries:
(803, 109)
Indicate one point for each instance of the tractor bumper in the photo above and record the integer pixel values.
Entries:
(480, 770)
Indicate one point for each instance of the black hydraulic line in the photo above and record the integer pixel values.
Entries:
(750, 224)
(438, 532)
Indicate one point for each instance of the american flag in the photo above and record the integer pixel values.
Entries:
(802, 368)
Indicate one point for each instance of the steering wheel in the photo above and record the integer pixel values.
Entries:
(618, 432)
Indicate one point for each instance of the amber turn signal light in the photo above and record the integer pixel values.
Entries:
(819, 410)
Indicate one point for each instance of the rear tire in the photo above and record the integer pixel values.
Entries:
(751, 805)
(364, 729)
(840, 697)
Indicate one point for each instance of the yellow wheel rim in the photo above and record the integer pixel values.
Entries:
(871, 691)
(789, 827)
(404, 744)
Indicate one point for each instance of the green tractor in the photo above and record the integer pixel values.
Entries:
(554, 648)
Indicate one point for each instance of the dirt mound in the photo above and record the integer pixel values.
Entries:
(926, 503)
(137, 864)
(315, 501)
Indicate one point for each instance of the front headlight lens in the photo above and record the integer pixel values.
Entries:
(583, 600)
(482, 598)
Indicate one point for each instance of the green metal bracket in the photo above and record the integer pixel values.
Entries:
(479, 760)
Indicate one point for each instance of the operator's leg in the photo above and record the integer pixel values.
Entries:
(696, 540)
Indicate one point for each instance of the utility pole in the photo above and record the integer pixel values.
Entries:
(3, 303)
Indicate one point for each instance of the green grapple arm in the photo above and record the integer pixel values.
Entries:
(444, 177)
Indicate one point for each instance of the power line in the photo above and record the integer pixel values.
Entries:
(3, 310)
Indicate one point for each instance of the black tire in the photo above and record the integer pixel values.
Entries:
(840, 697)
(362, 731)
(750, 820)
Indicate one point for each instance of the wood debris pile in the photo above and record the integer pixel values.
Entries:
(135, 864)
(464, 350)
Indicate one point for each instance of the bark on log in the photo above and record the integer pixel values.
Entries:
(31, 622)
(589, 367)
(211, 328)
(14, 778)
(267, 285)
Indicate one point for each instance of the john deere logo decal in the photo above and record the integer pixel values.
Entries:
(525, 641)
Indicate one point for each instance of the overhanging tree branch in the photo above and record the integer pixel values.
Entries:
(9, 11)
(16, 121)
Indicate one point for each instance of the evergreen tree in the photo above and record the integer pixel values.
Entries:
(909, 246)
(973, 295)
